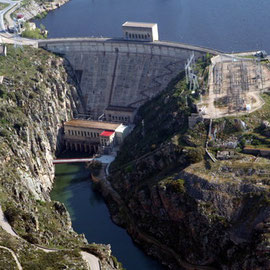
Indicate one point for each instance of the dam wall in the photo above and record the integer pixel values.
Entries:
(121, 74)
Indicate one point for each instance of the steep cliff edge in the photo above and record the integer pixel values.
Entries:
(184, 209)
(36, 95)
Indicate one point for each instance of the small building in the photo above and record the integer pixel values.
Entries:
(140, 31)
(119, 114)
(120, 133)
(93, 136)
(224, 155)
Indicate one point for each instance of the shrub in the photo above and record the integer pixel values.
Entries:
(195, 155)
(4, 133)
(176, 185)
(12, 214)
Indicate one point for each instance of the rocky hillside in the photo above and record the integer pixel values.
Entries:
(186, 210)
(37, 94)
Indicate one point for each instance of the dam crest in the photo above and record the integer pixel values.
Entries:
(117, 76)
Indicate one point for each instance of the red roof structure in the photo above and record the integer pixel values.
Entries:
(106, 133)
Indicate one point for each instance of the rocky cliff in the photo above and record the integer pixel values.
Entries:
(184, 209)
(37, 94)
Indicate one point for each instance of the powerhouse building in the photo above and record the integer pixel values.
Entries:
(93, 136)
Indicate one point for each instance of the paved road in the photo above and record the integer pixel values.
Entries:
(5, 10)
(14, 256)
(44, 42)
(5, 225)
(91, 260)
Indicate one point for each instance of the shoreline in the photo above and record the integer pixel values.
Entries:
(32, 10)
(144, 241)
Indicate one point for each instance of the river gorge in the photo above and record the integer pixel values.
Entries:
(168, 202)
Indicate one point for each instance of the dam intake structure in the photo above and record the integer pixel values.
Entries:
(117, 76)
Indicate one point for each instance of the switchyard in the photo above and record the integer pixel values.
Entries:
(235, 83)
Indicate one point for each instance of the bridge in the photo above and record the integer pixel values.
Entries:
(116, 73)
(71, 160)
(105, 159)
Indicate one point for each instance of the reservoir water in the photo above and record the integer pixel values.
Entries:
(227, 25)
(90, 216)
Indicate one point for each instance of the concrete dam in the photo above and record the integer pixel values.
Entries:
(117, 76)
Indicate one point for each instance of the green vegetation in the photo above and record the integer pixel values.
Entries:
(254, 135)
(37, 33)
(163, 117)
(194, 154)
(173, 184)
(117, 264)
(3, 6)
(41, 15)
(32, 258)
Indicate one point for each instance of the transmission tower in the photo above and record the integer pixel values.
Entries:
(191, 77)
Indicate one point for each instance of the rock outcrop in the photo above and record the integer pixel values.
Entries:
(184, 209)
(37, 94)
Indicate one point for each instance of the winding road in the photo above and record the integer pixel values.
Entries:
(91, 260)
(14, 256)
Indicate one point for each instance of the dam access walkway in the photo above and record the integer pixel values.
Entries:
(105, 159)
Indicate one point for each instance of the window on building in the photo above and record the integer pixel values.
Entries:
(129, 35)
(132, 35)
(136, 36)
(126, 34)
(94, 135)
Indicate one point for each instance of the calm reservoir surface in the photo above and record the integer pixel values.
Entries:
(90, 216)
(227, 25)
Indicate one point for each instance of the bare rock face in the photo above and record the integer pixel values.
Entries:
(205, 220)
(37, 95)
